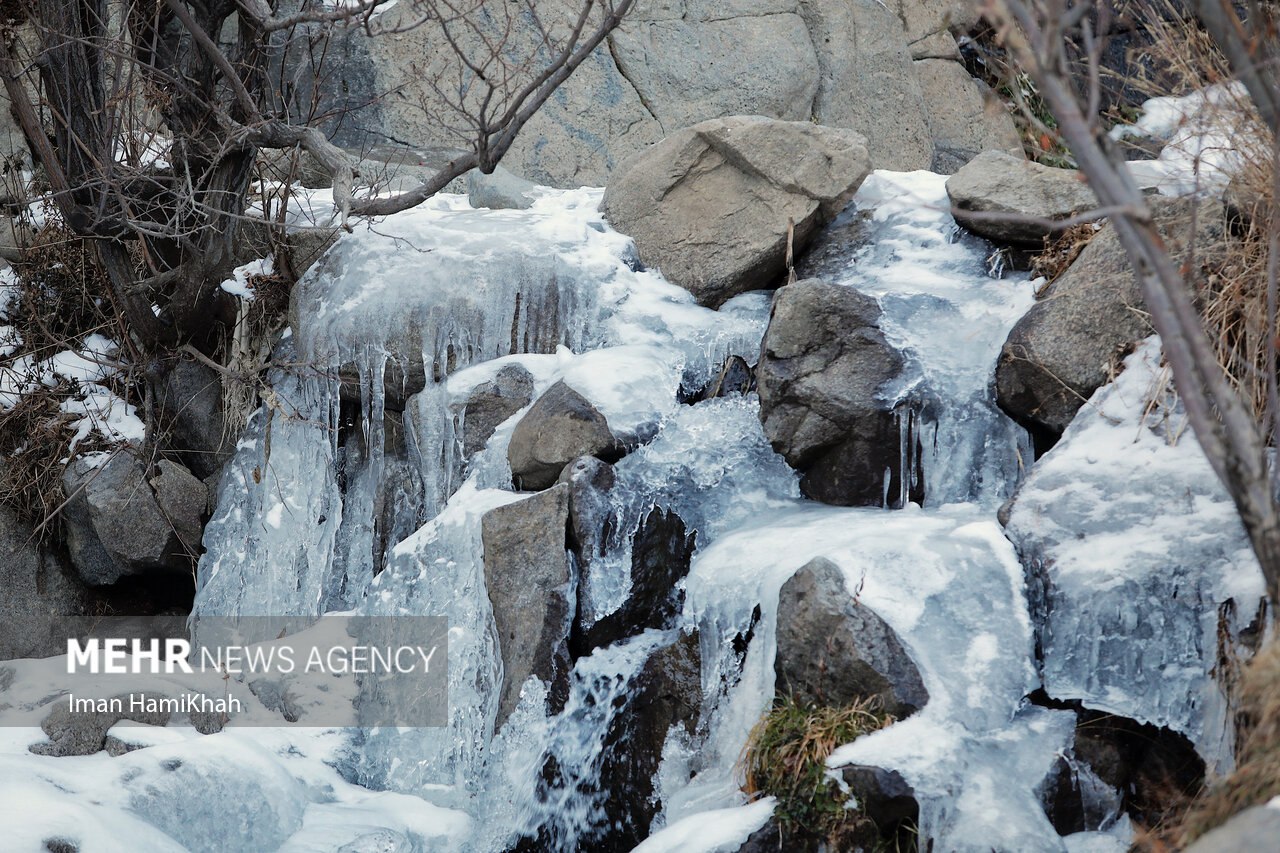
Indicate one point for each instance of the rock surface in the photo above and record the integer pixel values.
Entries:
(191, 413)
(823, 362)
(835, 651)
(561, 426)
(41, 594)
(1069, 343)
(493, 402)
(998, 183)
(85, 732)
(671, 64)
(500, 190)
(1255, 828)
(531, 587)
(710, 204)
(114, 525)
(965, 117)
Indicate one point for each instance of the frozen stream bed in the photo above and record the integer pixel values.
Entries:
(448, 290)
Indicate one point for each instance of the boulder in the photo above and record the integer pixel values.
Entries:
(995, 182)
(531, 586)
(114, 525)
(932, 26)
(491, 403)
(85, 732)
(591, 507)
(561, 426)
(1255, 828)
(666, 693)
(190, 410)
(1069, 343)
(823, 362)
(41, 594)
(710, 204)
(835, 651)
(965, 116)
(183, 499)
(500, 190)
(661, 552)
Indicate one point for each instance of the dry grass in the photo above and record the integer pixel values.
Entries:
(786, 755)
(1061, 250)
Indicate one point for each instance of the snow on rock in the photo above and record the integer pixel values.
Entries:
(715, 831)
(1135, 559)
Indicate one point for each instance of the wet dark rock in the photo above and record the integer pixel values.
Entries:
(833, 650)
(822, 365)
(734, 378)
(41, 594)
(561, 426)
(531, 586)
(884, 796)
(661, 552)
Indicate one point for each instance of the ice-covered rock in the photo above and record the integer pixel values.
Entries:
(1138, 569)
(493, 402)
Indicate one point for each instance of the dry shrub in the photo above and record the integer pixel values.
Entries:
(1257, 776)
(786, 755)
(1061, 251)
(63, 296)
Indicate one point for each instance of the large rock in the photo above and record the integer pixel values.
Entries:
(115, 526)
(1068, 344)
(41, 594)
(493, 402)
(561, 426)
(531, 587)
(965, 116)
(834, 651)
(191, 414)
(665, 695)
(710, 204)
(1015, 188)
(1255, 828)
(85, 732)
(823, 362)
(672, 63)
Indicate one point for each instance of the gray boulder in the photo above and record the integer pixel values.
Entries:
(709, 205)
(85, 732)
(1255, 828)
(191, 413)
(932, 25)
(41, 594)
(183, 499)
(1068, 344)
(998, 183)
(114, 525)
(822, 363)
(592, 515)
(561, 426)
(965, 116)
(491, 403)
(834, 651)
(500, 190)
(531, 586)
